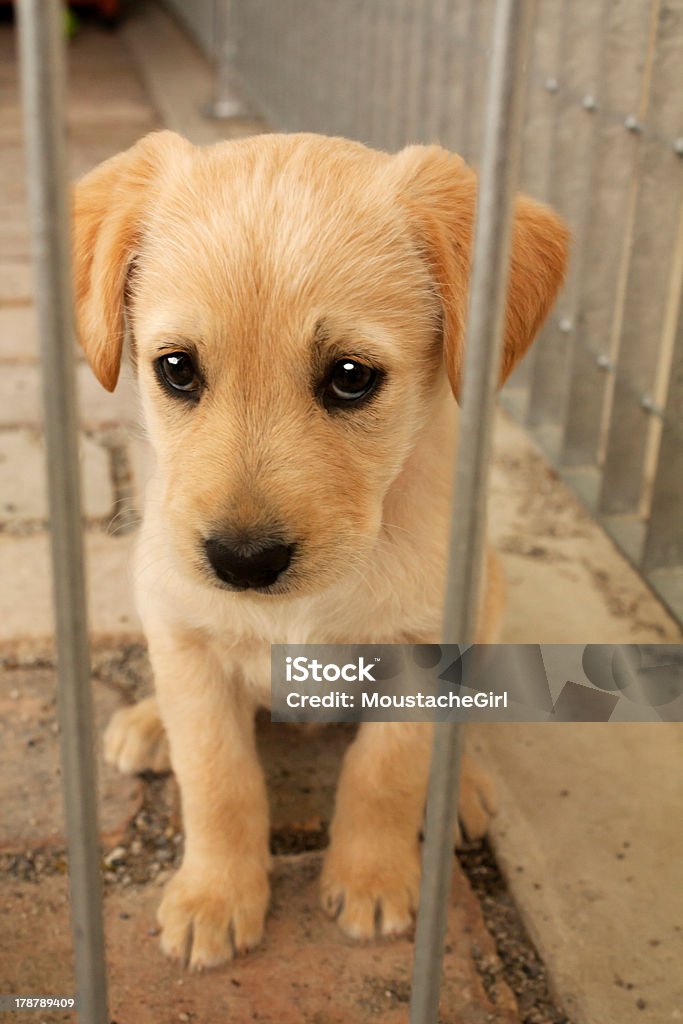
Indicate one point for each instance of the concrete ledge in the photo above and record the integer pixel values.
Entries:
(159, 46)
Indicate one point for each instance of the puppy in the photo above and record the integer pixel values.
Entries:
(295, 306)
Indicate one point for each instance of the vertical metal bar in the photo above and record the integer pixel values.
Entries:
(472, 60)
(436, 94)
(381, 75)
(42, 73)
(367, 71)
(664, 540)
(418, 55)
(542, 101)
(573, 145)
(363, 59)
(289, 42)
(537, 148)
(297, 67)
(266, 68)
(224, 101)
(513, 24)
(647, 285)
(400, 50)
(258, 59)
(478, 56)
(276, 59)
(447, 104)
(345, 82)
(626, 72)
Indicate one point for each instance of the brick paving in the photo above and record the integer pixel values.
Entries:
(107, 111)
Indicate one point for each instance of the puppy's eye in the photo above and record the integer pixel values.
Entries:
(349, 383)
(178, 372)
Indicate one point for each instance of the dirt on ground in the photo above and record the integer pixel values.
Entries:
(301, 778)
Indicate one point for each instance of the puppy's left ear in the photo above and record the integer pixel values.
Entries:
(440, 191)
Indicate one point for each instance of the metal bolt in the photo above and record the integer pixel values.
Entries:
(565, 325)
(552, 84)
(589, 102)
(604, 362)
(632, 124)
(678, 146)
(648, 403)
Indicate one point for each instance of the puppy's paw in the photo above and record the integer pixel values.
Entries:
(135, 740)
(204, 923)
(477, 803)
(371, 888)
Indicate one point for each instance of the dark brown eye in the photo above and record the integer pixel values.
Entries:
(178, 372)
(349, 383)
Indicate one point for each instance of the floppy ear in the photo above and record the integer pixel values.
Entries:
(440, 191)
(107, 215)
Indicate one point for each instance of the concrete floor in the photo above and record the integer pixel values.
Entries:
(589, 829)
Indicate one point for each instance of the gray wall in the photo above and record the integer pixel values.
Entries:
(198, 17)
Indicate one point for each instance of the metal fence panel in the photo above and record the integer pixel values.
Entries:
(659, 194)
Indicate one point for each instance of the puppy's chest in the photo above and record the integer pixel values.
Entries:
(243, 642)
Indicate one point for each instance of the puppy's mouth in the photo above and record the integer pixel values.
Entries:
(262, 567)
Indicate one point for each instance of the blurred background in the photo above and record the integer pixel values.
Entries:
(586, 494)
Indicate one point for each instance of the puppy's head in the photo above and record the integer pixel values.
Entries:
(292, 302)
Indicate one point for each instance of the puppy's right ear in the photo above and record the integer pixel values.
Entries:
(440, 193)
(108, 210)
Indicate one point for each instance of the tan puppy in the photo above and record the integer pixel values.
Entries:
(292, 302)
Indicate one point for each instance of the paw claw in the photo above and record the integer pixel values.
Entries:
(374, 896)
(204, 925)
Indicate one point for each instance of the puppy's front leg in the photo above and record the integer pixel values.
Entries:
(371, 875)
(216, 903)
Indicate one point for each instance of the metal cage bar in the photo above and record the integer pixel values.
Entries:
(537, 147)
(42, 74)
(512, 31)
(400, 47)
(664, 540)
(478, 12)
(582, 35)
(449, 98)
(224, 101)
(626, 68)
(416, 70)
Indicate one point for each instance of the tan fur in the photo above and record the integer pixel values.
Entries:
(266, 254)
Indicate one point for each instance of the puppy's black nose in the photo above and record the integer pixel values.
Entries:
(259, 567)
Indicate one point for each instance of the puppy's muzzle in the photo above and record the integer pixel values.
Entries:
(248, 568)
